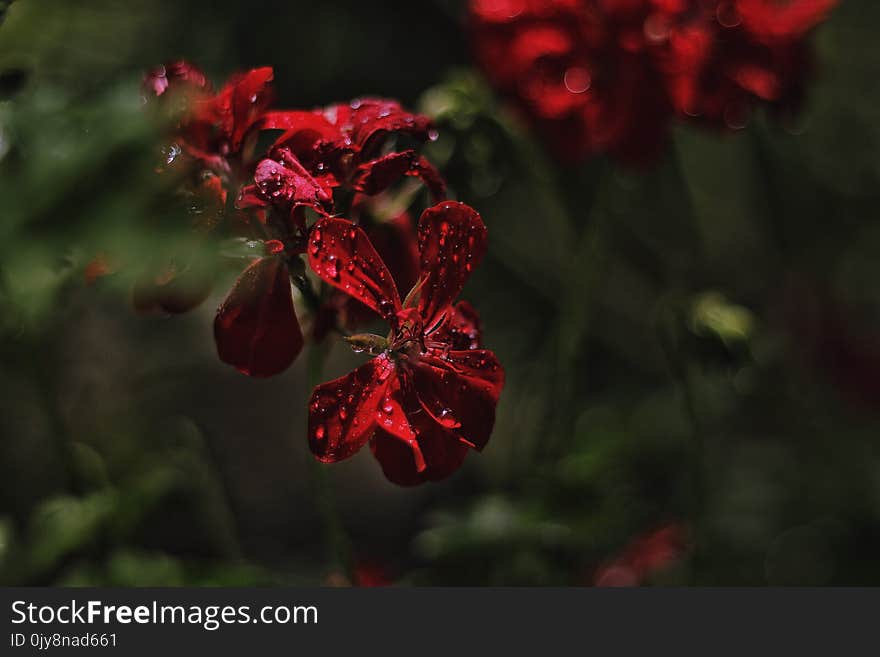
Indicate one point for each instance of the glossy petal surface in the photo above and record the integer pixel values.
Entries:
(256, 329)
(364, 121)
(440, 451)
(460, 393)
(378, 175)
(342, 255)
(343, 412)
(283, 180)
(452, 241)
(461, 330)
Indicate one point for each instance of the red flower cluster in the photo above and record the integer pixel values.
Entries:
(430, 392)
(609, 75)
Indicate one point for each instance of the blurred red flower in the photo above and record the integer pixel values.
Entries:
(430, 393)
(210, 128)
(644, 556)
(726, 57)
(597, 76)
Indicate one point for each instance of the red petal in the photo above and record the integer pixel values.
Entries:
(460, 392)
(256, 329)
(250, 97)
(364, 121)
(343, 412)
(452, 241)
(342, 255)
(378, 175)
(250, 196)
(297, 121)
(175, 75)
(237, 107)
(441, 452)
(285, 180)
(461, 330)
(393, 420)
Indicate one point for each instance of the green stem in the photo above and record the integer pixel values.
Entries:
(336, 536)
(769, 182)
(576, 307)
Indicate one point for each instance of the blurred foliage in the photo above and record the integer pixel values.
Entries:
(698, 343)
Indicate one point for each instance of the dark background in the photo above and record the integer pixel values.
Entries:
(696, 345)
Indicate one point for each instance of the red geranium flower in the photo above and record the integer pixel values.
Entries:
(726, 57)
(342, 144)
(609, 75)
(211, 128)
(430, 393)
(581, 71)
(219, 124)
(206, 150)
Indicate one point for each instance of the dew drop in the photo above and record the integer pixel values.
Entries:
(448, 420)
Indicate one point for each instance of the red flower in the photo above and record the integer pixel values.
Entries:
(216, 129)
(343, 144)
(211, 128)
(423, 400)
(580, 70)
(644, 556)
(727, 57)
(609, 75)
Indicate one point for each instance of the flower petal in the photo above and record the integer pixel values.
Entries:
(393, 420)
(343, 412)
(282, 179)
(377, 175)
(366, 120)
(452, 241)
(299, 120)
(441, 452)
(343, 256)
(460, 392)
(461, 329)
(250, 97)
(256, 329)
(175, 75)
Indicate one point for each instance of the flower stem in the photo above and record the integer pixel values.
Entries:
(336, 536)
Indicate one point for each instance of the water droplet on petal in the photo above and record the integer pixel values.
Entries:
(447, 419)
